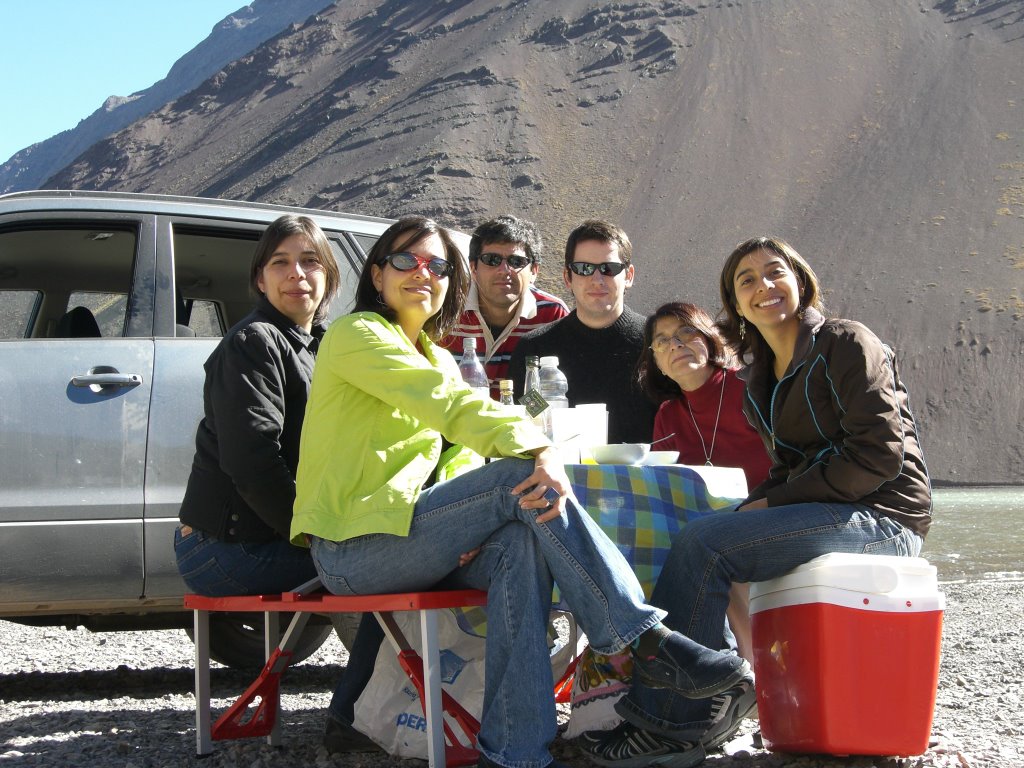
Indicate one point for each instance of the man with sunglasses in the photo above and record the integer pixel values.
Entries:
(599, 343)
(503, 303)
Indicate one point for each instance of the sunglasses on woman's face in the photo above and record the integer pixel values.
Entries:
(407, 262)
(515, 262)
(586, 269)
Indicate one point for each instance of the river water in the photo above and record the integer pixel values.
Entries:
(977, 534)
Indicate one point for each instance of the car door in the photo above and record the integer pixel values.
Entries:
(76, 368)
(202, 290)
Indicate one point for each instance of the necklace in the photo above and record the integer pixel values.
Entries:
(714, 434)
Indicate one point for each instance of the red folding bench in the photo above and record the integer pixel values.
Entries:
(255, 713)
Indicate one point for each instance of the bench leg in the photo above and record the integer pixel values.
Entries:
(204, 740)
(271, 638)
(432, 688)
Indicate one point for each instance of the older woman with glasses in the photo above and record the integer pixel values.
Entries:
(685, 368)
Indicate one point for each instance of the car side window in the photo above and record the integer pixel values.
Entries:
(16, 310)
(65, 280)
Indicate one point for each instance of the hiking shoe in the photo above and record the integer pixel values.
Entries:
(727, 712)
(690, 669)
(627, 746)
(341, 737)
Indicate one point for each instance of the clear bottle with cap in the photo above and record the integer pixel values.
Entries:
(472, 370)
(553, 385)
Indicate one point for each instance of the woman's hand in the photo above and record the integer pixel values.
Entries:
(467, 557)
(547, 487)
(761, 503)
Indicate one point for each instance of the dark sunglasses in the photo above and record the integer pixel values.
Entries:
(586, 269)
(515, 262)
(406, 262)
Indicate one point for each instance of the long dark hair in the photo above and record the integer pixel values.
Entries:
(655, 384)
(751, 343)
(280, 230)
(404, 234)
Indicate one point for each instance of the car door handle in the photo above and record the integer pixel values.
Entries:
(107, 380)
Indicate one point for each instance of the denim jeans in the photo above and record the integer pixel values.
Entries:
(713, 552)
(518, 562)
(218, 568)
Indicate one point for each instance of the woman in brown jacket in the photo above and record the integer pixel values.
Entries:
(847, 475)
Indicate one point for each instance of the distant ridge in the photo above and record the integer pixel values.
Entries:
(233, 37)
(884, 140)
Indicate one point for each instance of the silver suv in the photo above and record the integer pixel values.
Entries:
(110, 304)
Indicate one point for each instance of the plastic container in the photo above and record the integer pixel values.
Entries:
(553, 385)
(846, 655)
(472, 369)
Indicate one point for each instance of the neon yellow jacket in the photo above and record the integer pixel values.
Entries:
(372, 434)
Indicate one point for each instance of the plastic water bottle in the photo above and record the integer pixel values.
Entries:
(472, 370)
(553, 385)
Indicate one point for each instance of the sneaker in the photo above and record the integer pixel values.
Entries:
(630, 747)
(727, 712)
(341, 737)
(690, 669)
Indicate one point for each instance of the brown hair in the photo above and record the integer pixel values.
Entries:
(729, 319)
(401, 235)
(655, 384)
(603, 231)
(280, 230)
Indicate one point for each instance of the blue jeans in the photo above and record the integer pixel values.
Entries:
(713, 552)
(518, 562)
(219, 568)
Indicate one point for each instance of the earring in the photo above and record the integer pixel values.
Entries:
(800, 313)
(743, 328)
(380, 299)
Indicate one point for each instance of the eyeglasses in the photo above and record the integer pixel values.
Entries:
(586, 269)
(682, 335)
(516, 261)
(406, 262)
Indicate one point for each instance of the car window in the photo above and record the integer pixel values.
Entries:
(16, 310)
(108, 309)
(66, 280)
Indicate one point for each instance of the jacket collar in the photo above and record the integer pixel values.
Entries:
(292, 331)
(527, 306)
(757, 373)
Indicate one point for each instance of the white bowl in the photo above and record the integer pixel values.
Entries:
(620, 453)
(662, 457)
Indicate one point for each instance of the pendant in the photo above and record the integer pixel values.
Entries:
(708, 463)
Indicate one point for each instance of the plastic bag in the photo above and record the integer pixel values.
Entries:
(389, 709)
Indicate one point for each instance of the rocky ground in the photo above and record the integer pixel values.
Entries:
(72, 698)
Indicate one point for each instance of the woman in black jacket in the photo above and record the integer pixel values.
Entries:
(237, 510)
(847, 475)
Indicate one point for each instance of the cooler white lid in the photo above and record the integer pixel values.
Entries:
(871, 574)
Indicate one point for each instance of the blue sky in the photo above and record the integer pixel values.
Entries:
(61, 59)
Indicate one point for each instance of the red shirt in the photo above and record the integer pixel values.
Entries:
(733, 444)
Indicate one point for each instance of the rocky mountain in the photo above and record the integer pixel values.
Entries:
(884, 140)
(233, 37)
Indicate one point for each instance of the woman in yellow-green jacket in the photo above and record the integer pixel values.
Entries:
(383, 395)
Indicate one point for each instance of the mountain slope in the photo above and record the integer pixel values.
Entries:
(883, 140)
(234, 36)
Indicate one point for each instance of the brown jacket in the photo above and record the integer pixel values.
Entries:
(838, 425)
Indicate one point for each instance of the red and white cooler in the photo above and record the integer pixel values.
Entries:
(846, 655)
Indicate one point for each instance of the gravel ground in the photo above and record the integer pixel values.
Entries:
(124, 699)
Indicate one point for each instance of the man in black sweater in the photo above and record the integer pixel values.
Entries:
(599, 343)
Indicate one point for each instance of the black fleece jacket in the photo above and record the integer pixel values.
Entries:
(242, 485)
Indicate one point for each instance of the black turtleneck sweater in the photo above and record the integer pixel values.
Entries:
(600, 366)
